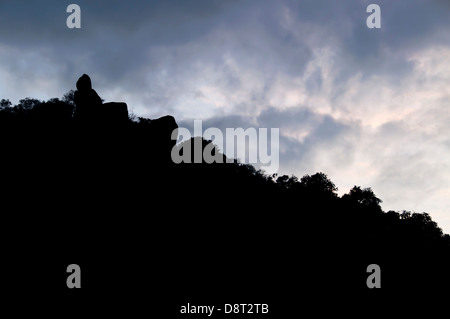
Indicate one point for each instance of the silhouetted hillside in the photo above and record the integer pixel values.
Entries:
(105, 194)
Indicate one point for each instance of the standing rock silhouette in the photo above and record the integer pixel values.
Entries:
(90, 108)
(87, 101)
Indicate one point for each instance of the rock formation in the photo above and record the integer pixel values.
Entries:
(91, 109)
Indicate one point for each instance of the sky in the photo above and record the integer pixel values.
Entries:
(367, 107)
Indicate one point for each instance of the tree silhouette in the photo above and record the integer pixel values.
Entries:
(5, 103)
(69, 98)
(319, 184)
(28, 103)
(364, 197)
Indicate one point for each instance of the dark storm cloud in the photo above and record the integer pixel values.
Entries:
(118, 34)
(116, 37)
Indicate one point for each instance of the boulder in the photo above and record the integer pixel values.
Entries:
(114, 112)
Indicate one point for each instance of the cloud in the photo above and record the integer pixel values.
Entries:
(367, 107)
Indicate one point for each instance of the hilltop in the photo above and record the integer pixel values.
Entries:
(106, 195)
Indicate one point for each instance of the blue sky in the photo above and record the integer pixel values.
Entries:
(368, 107)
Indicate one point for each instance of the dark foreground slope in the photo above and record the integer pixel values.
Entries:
(151, 236)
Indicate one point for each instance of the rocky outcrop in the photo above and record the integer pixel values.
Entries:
(91, 114)
(91, 109)
(88, 102)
